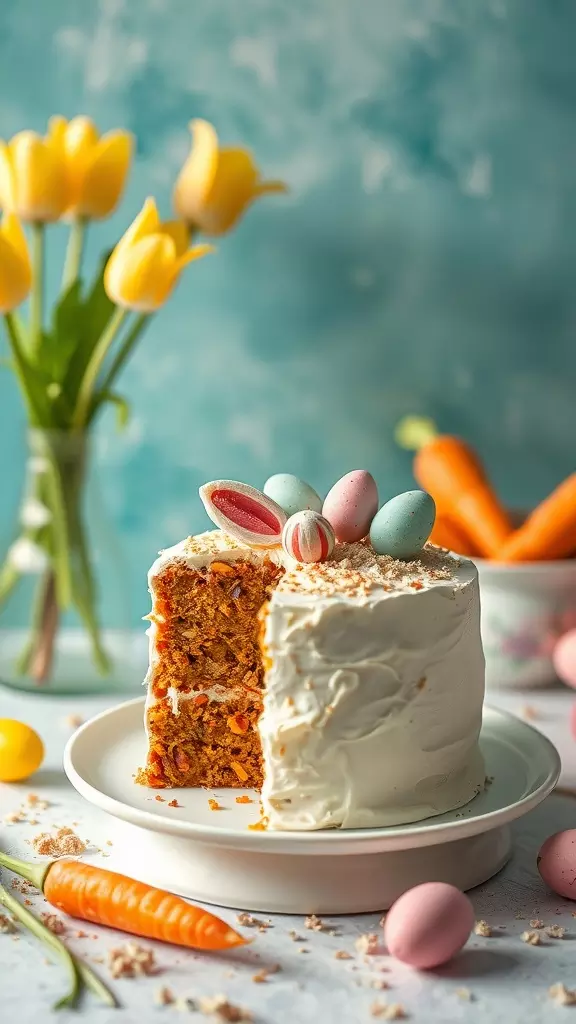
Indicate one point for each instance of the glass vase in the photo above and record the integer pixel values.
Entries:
(64, 602)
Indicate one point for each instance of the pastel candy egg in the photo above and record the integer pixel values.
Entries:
(403, 525)
(428, 925)
(557, 863)
(292, 494)
(564, 658)
(351, 505)
(308, 537)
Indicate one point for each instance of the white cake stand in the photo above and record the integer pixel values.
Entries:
(213, 856)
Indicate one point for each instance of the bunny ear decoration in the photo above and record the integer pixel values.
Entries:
(244, 512)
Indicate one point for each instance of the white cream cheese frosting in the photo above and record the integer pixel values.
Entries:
(373, 704)
(373, 698)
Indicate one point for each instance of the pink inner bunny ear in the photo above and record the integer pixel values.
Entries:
(243, 512)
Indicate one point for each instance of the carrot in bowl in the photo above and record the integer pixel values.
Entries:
(105, 897)
(452, 473)
(447, 533)
(549, 532)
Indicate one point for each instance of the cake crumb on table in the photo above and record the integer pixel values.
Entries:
(244, 800)
(73, 721)
(164, 996)
(131, 961)
(378, 983)
(529, 712)
(54, 923)
(368, 944)
(531, 938)
(64, 843)
(295, 936)
(482, 928)
(7, 925)
(316, 924)
(264, 973)
(222, 1010)
(174, 803)
(561, 995)
(555, 931)
(13, 817)
(185, 1004)
(465, 994)
(342, 954)
(536, 922)
(214, 805)
(248, 921)
(388, 1011)
(33, 800)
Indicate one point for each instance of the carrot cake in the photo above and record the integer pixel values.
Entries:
(348, 691)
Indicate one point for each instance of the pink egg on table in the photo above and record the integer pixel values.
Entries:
(428, 925)
(350, 506)
(564, 658)
(556, 863)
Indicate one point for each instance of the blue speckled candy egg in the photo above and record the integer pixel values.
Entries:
(403, 525)
(292, 494)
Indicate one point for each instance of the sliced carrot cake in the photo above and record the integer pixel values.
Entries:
(344, 684)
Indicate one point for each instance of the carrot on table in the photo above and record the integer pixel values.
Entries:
(105, 897)
(549, 532)
(447, 533)
(452, 473)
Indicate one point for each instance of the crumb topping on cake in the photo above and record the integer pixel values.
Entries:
(210, 543)
(355, 569)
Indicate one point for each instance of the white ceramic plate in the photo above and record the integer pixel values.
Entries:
(103, 755)
(214, 856)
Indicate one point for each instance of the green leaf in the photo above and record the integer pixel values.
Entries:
(123, 410)
(96, 311)
(61, 342)
(98, 308)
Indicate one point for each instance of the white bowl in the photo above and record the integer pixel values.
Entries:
(525, 608)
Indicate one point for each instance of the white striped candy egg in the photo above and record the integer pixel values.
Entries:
(308, 537)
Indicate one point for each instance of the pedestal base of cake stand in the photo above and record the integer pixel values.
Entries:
(213, 856)
(301, 883)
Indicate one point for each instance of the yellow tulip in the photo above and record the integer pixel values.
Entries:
(97, 166)
(15, 268)
(33, 181)
(216, 185)
(146, 264)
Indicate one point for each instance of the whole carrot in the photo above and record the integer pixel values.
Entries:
(449, 534)
(452, 473)
(549, 532)
(105, 897)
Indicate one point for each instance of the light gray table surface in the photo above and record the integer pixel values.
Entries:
(500, 978)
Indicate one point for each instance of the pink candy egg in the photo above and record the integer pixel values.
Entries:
(564, 658)
(557, 863)
(308, 537)
(428, 925)
(351, 505)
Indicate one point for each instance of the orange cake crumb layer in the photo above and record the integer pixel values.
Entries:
(207, 675)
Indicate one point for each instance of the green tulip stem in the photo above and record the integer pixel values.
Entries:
(74, 253)
(87, 387)
(78, 972)
(37, 293)
(33, 925)
(124, 351)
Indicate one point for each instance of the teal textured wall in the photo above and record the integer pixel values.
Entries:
(425, 260)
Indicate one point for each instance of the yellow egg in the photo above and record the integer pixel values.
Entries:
(21, 750)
